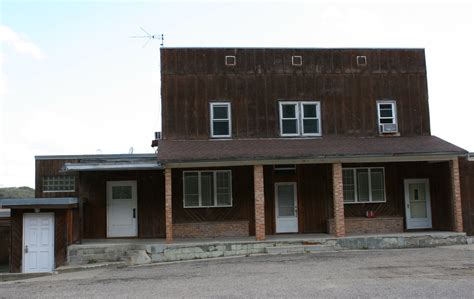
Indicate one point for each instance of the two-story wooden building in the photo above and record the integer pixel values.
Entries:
(259, 142)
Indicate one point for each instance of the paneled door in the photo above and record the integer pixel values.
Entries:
(38, 242)
(286, 208)
(122, 209)
(417, 203)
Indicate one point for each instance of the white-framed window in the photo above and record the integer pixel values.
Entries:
(207, 189)
(363, 185)
(297, 60)
(59, 183)
(221, 124)
(230, 60)
(300, 118)
(387, 116)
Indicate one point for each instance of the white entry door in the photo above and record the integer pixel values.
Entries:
(417, 203)
(38, 242)
(122, 209)
(286, 208)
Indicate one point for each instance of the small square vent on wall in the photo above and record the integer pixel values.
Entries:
(230, 60)
(297, 60)
(361, 60)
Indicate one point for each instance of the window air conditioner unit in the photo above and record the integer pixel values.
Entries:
(388, 128)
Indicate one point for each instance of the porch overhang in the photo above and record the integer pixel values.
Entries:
(39, 203)
(114, 166)
(215, 153)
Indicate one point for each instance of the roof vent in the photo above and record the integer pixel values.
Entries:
(230, 60)
(361, 60)
(297, 60)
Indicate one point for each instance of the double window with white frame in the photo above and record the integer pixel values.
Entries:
(363, 185)
(387, 116)
(221, 124)
(300, 118)
(207, 189)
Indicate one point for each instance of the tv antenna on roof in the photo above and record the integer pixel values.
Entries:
(149, 37)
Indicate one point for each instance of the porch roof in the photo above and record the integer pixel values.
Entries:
(45, 202)
(182, 153)
(110, 166)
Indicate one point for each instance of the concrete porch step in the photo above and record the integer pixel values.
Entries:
(137, 257)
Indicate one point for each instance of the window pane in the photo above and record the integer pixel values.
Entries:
(310, 126)
(377, 183)
(223, 188)
(385, 106)
(207, 189)
(289, 126)
(363, 185)
(386, 121)
(286, 200)
(220, 112)
(191, 189)
(221, 128)
(348, 185)
(309, 110)
(289, 110)
(121, 192)
(386, 113)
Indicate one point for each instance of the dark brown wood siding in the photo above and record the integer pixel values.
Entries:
(52, 168)
(192, 78)
(60, 238)
(467, 194)
(242, 200)
(150, 201)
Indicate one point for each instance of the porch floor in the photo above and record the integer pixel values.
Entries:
(142, 251)
(269, 238)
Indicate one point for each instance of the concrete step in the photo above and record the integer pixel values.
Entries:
(137, 257)
(297, 249)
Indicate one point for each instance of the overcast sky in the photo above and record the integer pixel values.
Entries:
(73, 82)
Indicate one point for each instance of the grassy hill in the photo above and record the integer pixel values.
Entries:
(17, 192)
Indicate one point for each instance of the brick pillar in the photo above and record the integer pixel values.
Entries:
(338, 200)
(259, 203)
(168, 206)
(456, 195)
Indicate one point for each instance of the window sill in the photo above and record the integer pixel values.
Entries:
(62, 191)
(207, 207)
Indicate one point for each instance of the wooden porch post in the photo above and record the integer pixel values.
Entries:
(338, 200)
(456, 195)
(168, 206)
(259, 202)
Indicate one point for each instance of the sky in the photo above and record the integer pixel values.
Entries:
(72, 81)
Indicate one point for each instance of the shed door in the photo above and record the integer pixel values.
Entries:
(38, 242)
(286, 209)
(122, 209)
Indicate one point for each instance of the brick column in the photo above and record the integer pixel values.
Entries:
(456, 195)
(338, 200)
(168, 206)
(259, 202)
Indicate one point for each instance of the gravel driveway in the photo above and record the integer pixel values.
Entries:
(428, 272)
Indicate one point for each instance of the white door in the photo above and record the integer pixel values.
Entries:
(417, 203)
(38, 242)
(286, 209)
(122, 209)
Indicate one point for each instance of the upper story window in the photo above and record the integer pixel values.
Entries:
(220, 120)
(387, 116)
(300, 119)
(59, 183)
(207, 189)
(362, 185)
